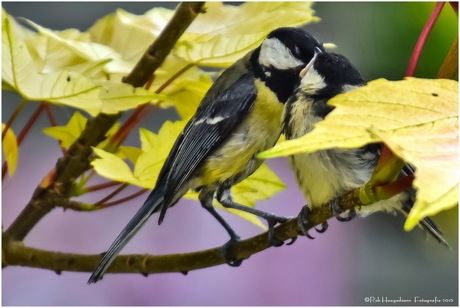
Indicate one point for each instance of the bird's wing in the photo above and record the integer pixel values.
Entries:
(216, 118)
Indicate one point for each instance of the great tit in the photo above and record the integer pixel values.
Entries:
(239, 117)
(325, 175)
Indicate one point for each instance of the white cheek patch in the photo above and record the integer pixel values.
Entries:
(312, 81)
(276, 54)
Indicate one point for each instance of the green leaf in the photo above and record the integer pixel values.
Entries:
(10, 149)
(226, 33)
(416, 118)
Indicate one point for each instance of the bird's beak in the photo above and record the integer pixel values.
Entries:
(310, 64)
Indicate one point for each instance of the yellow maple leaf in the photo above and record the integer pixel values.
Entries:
(226, 33)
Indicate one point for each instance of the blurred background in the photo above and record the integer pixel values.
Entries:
(347, 265)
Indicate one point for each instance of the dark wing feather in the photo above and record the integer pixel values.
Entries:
(216, 118)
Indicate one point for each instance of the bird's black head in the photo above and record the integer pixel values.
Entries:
(281, 56)
(329, 74)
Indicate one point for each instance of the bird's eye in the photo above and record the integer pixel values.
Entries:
(296, 51)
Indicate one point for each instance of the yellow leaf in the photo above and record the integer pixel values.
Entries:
(130, 153)
(437, 168)
(225, 33)
(261, 185)
(73, 46)
(69, 133)
(90, 69)
(188, 96)
(416, 118)
(128, 34)
(155, 148)
(116, 97)
(18, 70)
(112, 167)
(10, 149)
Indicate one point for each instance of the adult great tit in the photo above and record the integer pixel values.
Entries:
(325, 175)
(239, 117)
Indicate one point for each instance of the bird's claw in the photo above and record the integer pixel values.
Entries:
(324, 227)
(351, 214)
(272, 222)
(303, 223)
(227, 253)
(337, 211)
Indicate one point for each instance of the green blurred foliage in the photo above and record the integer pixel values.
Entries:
(379, 37)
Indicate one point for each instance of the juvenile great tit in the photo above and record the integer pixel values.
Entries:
(239, 117)
(325, 175)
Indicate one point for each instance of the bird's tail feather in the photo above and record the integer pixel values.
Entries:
(151, 205)
(428, 225)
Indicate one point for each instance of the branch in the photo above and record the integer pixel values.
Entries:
(158, 51)
(76, 160)
(16, 254)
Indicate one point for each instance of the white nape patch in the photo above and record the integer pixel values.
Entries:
(349, 87)
(276, 54)
(210, 121)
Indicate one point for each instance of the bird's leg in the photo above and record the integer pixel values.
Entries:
(206, 198)
(336, 210)
(225, 198)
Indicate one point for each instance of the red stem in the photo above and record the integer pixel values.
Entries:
(130, 197)
(422, 38)
(112, 194)
(24, 131)
(13, 117)
(102, 186)
(52, 120)
(392, 189)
